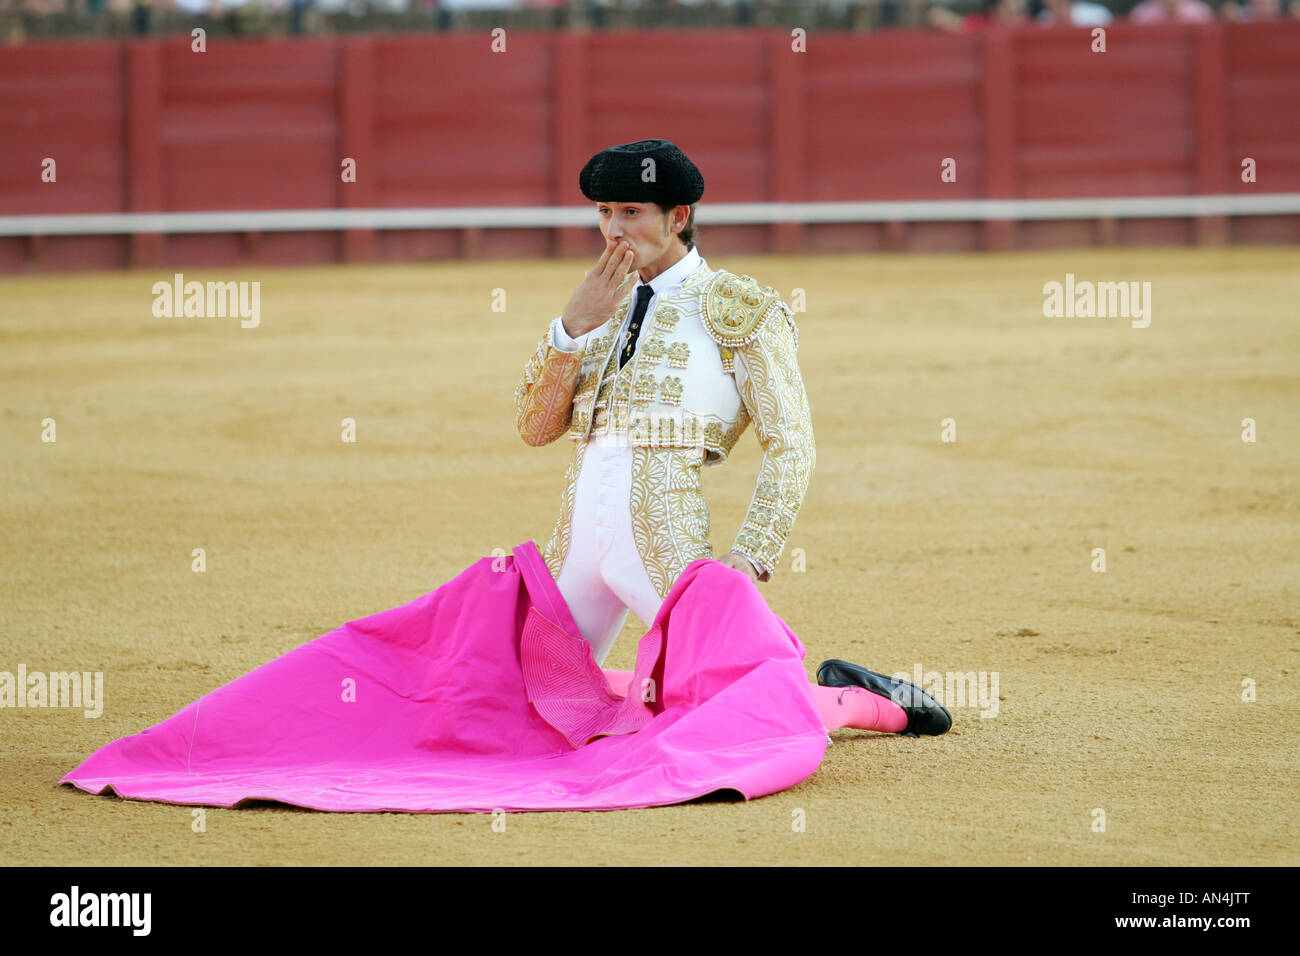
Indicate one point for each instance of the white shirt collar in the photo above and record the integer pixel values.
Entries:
(675, 276)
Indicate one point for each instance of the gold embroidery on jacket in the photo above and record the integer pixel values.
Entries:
(679, 355)
(653, 348)
(735, 308)
(670, 390)
(601, 362)
(670, 518)
(666, 317)
(646, 387)
(773, 391)
(544, 395)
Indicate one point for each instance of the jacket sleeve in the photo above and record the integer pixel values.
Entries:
(767, 375)
(544, 395)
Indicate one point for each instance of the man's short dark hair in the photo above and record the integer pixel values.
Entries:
(687, 235)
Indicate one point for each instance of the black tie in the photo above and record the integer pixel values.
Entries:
(643, 295)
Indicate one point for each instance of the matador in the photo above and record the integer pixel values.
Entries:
(662, 388)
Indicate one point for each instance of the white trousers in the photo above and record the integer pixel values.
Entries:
(602, 575)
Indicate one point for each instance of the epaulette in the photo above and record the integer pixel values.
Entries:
(735, 307)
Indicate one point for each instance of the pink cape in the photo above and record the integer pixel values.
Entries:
(482, 696)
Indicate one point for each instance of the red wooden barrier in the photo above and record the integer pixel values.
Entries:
(442, 120)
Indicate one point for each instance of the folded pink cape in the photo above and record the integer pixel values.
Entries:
(483, 695)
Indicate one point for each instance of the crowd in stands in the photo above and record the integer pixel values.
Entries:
(939, 14)
(1086, 13)
(341, 6)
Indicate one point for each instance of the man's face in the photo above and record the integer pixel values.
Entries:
(642, 225)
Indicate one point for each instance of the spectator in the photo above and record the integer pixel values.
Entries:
(1172, 11)
(142, 17)
(1252, 10)
(1077, 13)
(1002, 13)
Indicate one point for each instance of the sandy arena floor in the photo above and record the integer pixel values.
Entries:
(1118, 691)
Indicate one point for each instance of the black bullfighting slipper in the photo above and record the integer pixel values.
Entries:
(925, 715)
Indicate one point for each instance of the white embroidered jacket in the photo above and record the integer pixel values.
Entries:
(717, 353)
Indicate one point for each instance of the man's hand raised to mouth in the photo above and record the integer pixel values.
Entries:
(600, 292)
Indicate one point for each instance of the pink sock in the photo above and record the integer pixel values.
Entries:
(859, 709)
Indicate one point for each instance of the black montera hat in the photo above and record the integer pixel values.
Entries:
(621, 174)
